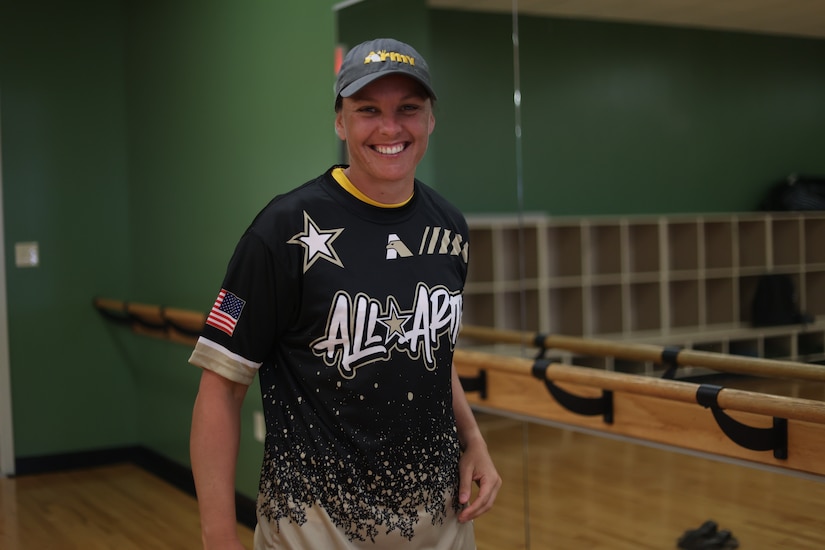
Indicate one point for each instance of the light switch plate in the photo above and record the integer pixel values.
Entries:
(26, 254)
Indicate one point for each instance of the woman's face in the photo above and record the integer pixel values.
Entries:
(387, 125)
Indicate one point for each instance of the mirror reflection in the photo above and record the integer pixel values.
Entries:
(609, 161)
(618, 117)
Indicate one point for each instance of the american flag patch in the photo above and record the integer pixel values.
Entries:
(226, 312)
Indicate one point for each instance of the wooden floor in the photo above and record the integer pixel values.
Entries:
(569, 490)
(119, 507)
(584, 491)
(562, 490)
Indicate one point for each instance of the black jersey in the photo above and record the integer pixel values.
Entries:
(349, 314)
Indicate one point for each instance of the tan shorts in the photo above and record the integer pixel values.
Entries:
(320, 533)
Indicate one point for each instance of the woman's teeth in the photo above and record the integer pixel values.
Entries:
(389, 149)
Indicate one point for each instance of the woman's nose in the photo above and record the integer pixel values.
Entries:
(390, 124)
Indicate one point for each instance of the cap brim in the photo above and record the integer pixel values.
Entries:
(353, 87)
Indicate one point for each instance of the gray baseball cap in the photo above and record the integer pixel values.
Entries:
(377, 58)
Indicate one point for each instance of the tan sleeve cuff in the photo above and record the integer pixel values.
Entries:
(211, 356)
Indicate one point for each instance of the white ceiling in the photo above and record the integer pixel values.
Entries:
(805, 18)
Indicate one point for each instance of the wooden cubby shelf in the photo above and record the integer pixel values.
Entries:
(685, 280)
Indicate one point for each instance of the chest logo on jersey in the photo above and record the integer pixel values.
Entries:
(361, 330)
(317, 243)
(435, 240)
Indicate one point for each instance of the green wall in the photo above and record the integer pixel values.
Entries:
(620, 118)
(62, 104)
(473, 72)
(230, 103)
(140, 137)
(139, 140)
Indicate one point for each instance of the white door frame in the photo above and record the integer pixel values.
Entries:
(6, 426)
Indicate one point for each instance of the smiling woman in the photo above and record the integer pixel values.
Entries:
(384, 114)
(386, 138)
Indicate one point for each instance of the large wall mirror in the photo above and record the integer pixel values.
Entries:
(695, 110)
(689, 110)
(699, 112)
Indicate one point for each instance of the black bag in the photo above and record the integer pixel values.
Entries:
(775, 302)
(796, 193)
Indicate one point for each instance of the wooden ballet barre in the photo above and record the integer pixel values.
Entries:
(700, 417)
(674, 390)
(638, 407)
(179, 325)
(648, 352)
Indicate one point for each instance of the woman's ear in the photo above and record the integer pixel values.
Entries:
(339, 126)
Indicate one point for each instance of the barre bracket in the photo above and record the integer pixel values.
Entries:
(670, 360)
(756, 439)
(587, 406)
(539, 341)
(476, 383)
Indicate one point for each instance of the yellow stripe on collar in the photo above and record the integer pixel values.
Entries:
(343, 181)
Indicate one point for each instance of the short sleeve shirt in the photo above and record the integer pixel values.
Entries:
(349, 314)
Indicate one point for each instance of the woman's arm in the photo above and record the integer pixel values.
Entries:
(476, 464)
(213, 446)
